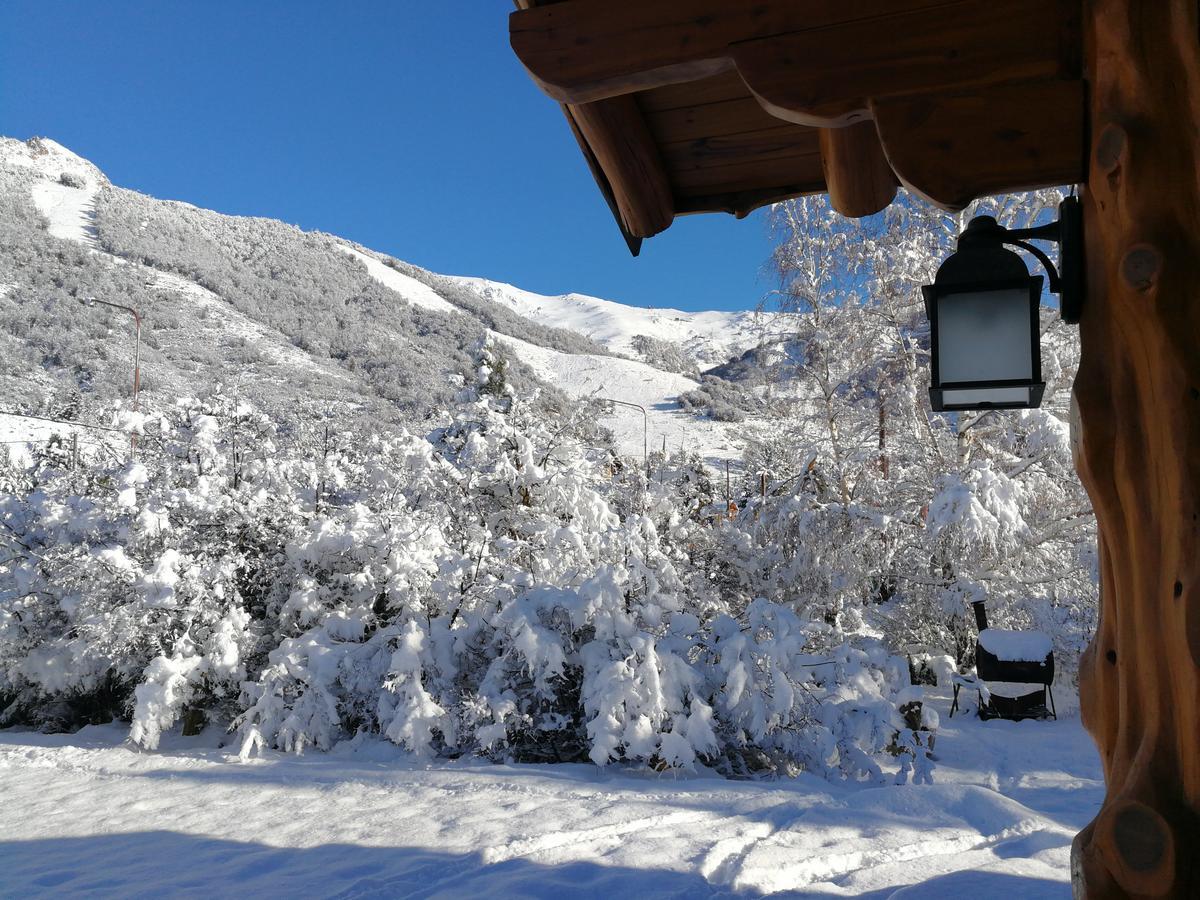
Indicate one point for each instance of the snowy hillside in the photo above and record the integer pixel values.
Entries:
(66, 190)
(709, 338)
(184, 286)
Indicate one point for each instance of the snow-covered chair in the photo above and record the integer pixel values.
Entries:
(1007, 663)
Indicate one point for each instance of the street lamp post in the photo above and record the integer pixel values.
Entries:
(137, 351)
(645, 428)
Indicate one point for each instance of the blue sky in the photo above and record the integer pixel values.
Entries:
(409, 127)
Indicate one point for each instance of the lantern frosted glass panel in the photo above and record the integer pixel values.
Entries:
(975, 398)
(984, 336)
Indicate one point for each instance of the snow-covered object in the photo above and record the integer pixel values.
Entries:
(486, 589)
(983, 507)
(1016, 646)
(709, 338)
(1008, 689)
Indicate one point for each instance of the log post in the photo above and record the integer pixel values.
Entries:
(857, 175)
(1137, 401)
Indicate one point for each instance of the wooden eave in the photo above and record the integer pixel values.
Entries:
(691, 106)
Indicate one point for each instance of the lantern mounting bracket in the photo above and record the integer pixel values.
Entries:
(1067, 232)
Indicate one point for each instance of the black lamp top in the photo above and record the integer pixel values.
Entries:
(981, 257)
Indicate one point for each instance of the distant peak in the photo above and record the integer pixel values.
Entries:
(52, 160)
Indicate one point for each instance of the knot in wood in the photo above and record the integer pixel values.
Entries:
(1141, 837)
(1110, 148)
(1140, 267)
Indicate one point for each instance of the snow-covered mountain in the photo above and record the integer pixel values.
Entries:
(206, 285)
(708, 338)
(171, 259)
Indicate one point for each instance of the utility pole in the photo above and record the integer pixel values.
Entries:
(645, 429)
(728, 492)
(137, 353)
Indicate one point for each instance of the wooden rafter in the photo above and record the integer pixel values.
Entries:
(857, 174)
(617, 135)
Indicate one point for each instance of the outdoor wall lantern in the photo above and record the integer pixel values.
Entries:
(983, 307)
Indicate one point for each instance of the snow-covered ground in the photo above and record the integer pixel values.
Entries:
(86, 814)
(19, 434)
(588, 375)
(591, 375)
(406, 286)
(67, 198)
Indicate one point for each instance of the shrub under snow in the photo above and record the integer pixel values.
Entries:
(493, 588)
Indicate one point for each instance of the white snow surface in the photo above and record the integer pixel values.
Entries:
(709, 337)
(1016, 646)
(587, 375)
(88, 815)
(591, 375)
(69, 208)
(407, 287)
(20, 434)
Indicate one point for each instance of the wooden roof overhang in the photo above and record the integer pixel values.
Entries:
(691, 106)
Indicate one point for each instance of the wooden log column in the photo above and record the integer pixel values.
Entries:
(1137, 400)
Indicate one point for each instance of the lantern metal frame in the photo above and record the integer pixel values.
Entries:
(1037, 387)
(982, 264)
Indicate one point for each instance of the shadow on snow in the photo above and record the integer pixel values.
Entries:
(165, 863)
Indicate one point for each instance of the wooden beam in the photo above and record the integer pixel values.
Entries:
(857, 175)
(775, 142)
(952, 148)
(586, 50)
(618, 138)
(742, 203)
(828, 76)
(692, 123)
(750, 175)
(1137, 443)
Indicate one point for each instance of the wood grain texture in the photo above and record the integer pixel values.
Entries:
(826, 77)
(751, 146)
(857, 174)
(696, 121)
(753, 175)
(1138, 447)
(952, 148)
(715, 89)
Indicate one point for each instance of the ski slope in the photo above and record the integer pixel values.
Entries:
(710, 337)
(70, 212)
(88, 815)
(594, 376)
(70, 208)
(587, 375)
(407, 287)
